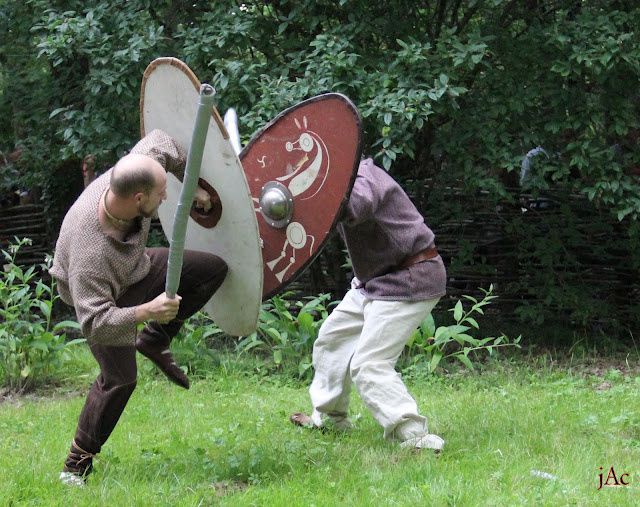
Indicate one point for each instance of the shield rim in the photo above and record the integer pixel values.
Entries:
(179, 64)
(354, 172)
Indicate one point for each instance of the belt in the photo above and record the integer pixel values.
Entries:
(424, 255)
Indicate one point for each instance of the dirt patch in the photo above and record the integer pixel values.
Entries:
(604, 386)
(224, 488)
(598, 366)
(43, 394)
(604, 367)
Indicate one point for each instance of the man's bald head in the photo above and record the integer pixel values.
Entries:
(135, 173)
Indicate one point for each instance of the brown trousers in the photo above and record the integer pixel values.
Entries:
(202, 274)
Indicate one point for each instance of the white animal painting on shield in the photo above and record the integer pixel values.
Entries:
(304, 180)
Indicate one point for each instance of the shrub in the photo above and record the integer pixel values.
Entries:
(286, 332)
(430, 345)
(30, 347)
(287, 329)
(193, 347)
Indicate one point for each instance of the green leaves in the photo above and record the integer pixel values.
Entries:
(457, 311)
(286, 331)
(431, 346)
(477, 83)
(66, 324)
(29, 349)
(451, 98)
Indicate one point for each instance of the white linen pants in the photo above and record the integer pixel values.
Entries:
(360, 343)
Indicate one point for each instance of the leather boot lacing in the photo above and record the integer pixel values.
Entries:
(80, 457)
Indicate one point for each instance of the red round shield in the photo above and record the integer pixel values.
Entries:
(300, 169)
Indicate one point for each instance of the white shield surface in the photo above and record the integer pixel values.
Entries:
(169, 101)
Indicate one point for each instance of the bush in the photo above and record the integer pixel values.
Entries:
(193, 347)
(286, 332)
(430, 345)
(30, 347)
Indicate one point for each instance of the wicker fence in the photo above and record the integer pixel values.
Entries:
(25, 221)
(551, 259)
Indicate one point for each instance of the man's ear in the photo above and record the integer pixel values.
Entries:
(139, 196)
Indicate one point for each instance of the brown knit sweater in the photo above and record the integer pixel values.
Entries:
(93, 270)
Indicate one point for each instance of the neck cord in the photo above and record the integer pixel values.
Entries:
(121, 223)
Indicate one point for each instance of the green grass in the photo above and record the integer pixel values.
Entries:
(227, 441)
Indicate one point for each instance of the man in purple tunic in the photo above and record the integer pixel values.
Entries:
(399, 278)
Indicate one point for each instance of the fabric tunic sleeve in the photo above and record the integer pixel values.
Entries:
(99, 317)
(161, 147)
(363, 202)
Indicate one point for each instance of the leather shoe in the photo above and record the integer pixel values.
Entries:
(162, 357)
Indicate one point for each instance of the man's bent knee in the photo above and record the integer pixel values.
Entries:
(218, 272)
(367, 371)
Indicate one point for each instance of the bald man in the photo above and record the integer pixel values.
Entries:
(104, 270)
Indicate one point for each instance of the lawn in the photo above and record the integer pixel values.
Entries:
(516, 435)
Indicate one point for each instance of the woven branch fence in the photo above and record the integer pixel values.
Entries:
(552, 259)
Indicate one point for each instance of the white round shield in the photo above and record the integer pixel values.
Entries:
(169, 101)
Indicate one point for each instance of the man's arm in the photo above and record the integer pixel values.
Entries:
(102, 321)
(160, 146)
(99, 317)
(363, 202)
(162, 308)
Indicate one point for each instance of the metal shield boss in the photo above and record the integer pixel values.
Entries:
(300, 169)
(169, 100)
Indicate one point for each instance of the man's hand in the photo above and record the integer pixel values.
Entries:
(162, 309)
(202, 199)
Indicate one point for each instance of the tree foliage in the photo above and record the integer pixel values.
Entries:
(470, 85)
(451, 93)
